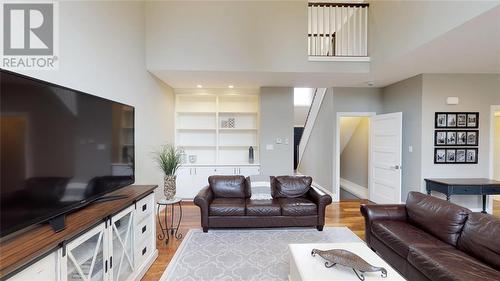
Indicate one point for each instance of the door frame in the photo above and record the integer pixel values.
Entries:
(336, 174)
(493, 109)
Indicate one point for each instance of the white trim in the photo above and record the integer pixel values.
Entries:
(353, 188)
(343, 59)
(493, 108)
(311, 120)
(316, 185)
(336, 179)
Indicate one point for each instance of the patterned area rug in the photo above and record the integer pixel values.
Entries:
(253, 254)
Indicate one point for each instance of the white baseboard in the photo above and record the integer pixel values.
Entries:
(329, 192)
(353, 188)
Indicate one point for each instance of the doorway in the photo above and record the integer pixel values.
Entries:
(354, 156)
(495, 161)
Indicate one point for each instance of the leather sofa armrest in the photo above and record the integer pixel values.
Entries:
(373, 213)
(322, 200)
(203, 200)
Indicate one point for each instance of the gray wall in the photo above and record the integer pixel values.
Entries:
(354, 158)
(276, 121)
(477, 92)
(406, 96)
(316, 160)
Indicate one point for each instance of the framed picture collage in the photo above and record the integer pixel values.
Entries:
(456, 137)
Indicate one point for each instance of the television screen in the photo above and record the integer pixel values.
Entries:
(60, 149)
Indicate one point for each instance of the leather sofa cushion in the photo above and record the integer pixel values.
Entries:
(227, 207)
(263, 207)
(290, 186)
(480, 239)
(229, 186)
(400, 235)
(297, 207)
(450, 264)
(436, 216)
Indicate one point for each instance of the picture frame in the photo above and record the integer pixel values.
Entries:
(455, 155)
(440, 120)
(462, 120)
(473, 137)
(473, 120)
(460, 155)
(471, 156)
(456, 137)
(451, 120)
(456, 120)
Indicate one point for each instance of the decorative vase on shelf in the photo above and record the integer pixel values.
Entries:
(250, 155)
(169, 186)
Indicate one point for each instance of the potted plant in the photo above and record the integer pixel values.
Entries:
(168, 159)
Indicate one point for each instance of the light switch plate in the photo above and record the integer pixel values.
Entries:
(269, 147)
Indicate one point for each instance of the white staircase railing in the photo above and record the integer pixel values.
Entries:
(338, 29)
(311, 119)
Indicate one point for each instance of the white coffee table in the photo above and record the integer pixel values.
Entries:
(304, 267)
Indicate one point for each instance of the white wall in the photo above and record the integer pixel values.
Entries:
(398, 27)
(262, 36)
(102, 52)
(477, 92)
(276, 121)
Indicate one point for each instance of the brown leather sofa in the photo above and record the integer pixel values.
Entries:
(432, 239)
(227, 202)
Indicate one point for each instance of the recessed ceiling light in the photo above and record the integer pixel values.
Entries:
(199, 86)
(230, 86)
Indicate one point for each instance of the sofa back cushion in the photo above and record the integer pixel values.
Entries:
(479, 238)
(440, 218)
(290, 186)
(229, 186)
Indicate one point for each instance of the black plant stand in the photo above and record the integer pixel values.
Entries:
(172, 230)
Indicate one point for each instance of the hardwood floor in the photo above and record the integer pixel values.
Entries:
(496, 208)
(345, 213)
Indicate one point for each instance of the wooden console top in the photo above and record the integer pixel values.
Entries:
(28, 246)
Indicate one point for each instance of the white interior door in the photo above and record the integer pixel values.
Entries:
(385, 158)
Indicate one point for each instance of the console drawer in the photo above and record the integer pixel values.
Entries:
(144, 250)
(144, 207)
(144, 230)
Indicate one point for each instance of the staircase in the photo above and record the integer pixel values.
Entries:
(319, 94)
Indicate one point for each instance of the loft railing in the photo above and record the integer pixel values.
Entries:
(338, 29)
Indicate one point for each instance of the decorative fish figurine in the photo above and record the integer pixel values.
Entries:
(348, 259)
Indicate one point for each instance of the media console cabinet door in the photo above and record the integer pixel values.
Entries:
(121, 245)
(86, 256)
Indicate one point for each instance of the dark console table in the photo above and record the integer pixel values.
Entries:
(451, 187)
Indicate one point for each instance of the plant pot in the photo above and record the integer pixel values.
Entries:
(169, 187)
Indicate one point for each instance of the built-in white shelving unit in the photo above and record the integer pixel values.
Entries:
(201, 130)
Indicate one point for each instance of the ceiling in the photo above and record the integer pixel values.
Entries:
(473, 47)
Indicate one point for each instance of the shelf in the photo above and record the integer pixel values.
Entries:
(196, 129)
(238, 129)
(196, 146)
(238, 146)
(239, 112)
(196, 112)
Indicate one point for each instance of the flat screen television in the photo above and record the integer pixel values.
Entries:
(61, 149)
